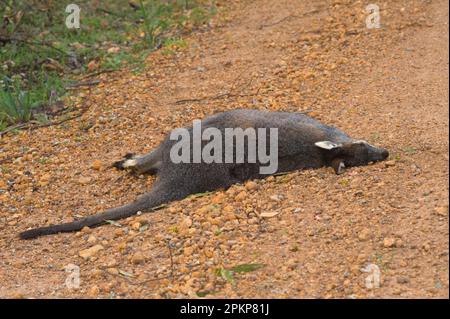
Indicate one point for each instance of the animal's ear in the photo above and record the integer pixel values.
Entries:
(327, 145)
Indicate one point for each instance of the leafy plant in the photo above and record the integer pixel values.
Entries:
(247, 267)
(199, 16)
(227, 275)
(203, 294)
(15, 105)
(37, 47)
(155, 20)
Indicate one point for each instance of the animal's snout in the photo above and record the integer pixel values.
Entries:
(377, 154)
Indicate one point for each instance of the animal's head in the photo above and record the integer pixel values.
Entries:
(355, 153)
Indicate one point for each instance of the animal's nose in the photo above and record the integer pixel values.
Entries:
(385, 154)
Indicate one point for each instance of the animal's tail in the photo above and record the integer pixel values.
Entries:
(144, 203)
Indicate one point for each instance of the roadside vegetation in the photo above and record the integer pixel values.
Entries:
(40, 58)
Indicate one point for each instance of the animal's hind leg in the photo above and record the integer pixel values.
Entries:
(147, 163)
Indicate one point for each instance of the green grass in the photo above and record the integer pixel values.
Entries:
(247, 267)
(4, 170)
(228, 274)
(40, 55)
(16, 105)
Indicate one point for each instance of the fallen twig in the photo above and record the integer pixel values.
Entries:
(171, 259)
(89, 75)
(40, 43)
(172, 270)
(222, 95)
(109, 12)
(216, 97)
(288, 18)
(277, 22)
(206, 98)
(58, 122)
(79, 84)
(32, 125)
(13, 127)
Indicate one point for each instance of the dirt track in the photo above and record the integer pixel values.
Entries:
(388, 85)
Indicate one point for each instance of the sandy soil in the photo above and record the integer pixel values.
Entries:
(388, 86)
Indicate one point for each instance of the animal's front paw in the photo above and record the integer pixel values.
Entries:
(127, 163)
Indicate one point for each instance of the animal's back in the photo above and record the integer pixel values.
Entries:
(245, 118)
(297, 134)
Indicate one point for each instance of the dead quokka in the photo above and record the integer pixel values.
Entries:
(302, 143)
